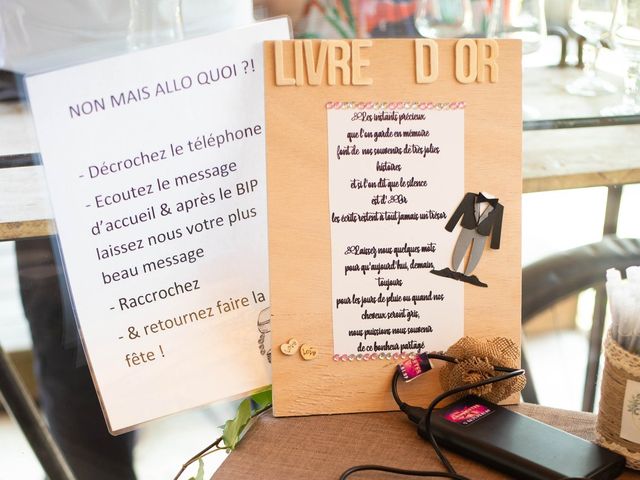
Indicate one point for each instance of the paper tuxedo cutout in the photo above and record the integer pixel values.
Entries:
(477, 225)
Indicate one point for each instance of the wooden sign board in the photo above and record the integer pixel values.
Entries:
(373, 148)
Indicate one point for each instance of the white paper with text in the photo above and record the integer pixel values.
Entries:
(395, 175)
(155, 163)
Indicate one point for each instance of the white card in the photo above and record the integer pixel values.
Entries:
(395, 175)
(630, 423)
(155, 164)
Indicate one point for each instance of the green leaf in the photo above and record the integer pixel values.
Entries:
(233, 428)
(346, 4)
(200, 474)
(262, 399)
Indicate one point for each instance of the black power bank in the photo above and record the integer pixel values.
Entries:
(518, 445)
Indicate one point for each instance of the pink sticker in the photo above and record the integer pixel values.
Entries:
(467, 414)
(414, 366)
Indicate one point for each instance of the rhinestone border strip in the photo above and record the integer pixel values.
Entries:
(395, 105)
(364, 357)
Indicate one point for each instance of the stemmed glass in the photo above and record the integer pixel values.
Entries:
(520, 19)
(523, 20)
(154, 22)
(452, 18)
(625, 36)
(591, 19)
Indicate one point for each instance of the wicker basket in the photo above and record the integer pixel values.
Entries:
(618, 426)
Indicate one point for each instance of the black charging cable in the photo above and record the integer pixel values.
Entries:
(417, 414)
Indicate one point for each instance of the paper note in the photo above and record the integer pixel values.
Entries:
(396, 172)
(156, 168)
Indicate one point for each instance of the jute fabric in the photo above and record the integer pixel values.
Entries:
(476, 360)
(620, 366)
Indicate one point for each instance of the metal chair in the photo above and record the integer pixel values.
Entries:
(564, 274)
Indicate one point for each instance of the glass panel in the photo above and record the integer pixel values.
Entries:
(559, 220)
(14, 330)
(16, 457)
(628, 224)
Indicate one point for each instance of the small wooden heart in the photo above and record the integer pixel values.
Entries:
(308, 352)
(290, 348)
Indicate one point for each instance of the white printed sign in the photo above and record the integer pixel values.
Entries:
(395, 175)
(156, 168)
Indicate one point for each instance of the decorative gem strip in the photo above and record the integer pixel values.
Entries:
(372, 356)
(395, 105)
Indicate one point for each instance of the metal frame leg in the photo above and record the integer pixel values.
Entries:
(614, 196)
(529, 393)
(19, 403)
(564, 40)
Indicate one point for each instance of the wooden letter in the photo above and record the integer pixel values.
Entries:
(279, 61)
(315, 69)
(299, 62)
(472, 62)
(487, 55)
(358, 63)
(421, 76)
(334, 62)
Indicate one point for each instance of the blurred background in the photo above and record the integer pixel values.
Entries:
(581, 105)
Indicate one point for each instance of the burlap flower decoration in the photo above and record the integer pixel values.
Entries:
(476, 359)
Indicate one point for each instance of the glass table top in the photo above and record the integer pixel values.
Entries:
(544, 92)
(543, 84)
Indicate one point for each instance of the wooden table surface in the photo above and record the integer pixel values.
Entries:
(322, 447)
(553, 159)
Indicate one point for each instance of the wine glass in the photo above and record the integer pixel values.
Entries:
(625, 36)
(523, 20)
(154, 22)
(520, 19)
(591, 19)
(452, 18)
